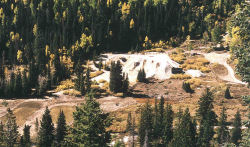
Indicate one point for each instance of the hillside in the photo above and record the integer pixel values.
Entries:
(124, 73)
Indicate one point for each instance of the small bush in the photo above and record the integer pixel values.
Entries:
(194, 82)
(186, 86)
(180, 76)
(141, 77)
(72, 92)
(246, 99)
(227, 94)
(67, 84)
(5, 103)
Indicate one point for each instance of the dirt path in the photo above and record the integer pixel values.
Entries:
(222, 59)
(107, 104)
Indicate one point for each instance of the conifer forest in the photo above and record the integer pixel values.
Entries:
(124, 73)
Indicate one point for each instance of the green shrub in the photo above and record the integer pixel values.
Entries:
(186, 86)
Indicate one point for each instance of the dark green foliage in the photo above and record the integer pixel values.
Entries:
(141, 77)
(227, 94)
(79, 82)
(146, 124)
(241, 48)
(129, 122)
(185, 132)
(11, 130)
(26, 86)
(18, 85)
(223, 134)
(125, 84)
(25, 140)
(215, 34)
(168, 125)
(88, 81)
(89, 127)
(116, 78)
(60, 129)
(207, 118)
(2, 137)
(236, 131)
(46, 131)
(187, 88)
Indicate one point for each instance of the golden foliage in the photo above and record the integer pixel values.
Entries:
(125, 9)
(180, 76)
(131, 24)
(67, 84)
(35, 30)
(20, 56)
(197, 64)
(95, 74)
(72, 92)
(194, 82)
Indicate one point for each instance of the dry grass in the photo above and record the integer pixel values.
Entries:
(178, 56)
(194, 82)
(67, 84)
(219, 69)
(180, 76)
(24, 111)
(72, 92)
(68, 112)
(154, 50)
(95, 74)
(197, 64)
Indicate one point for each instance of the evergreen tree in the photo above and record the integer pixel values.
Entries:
(26, 135)
(26, 88)
(88, 81)
(18, 84)
(2, 137)
(61, 129)
(141, 77)
(236, 131)
(168, 125)
(215, 34)
(89, 127)
(79, 82)
(227, 94)
(37, 125)
(11, 131)
(116, 78)
(156, 125)
(11, 87)
(186, 86)
(207, 118)
(185, 132)
(46, 131)
(223, 133)
(129, 122)
(146, 124)
(125, 84)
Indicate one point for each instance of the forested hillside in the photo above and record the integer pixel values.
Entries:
(49, 37)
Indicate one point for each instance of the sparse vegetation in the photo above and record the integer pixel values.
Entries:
(180, 76)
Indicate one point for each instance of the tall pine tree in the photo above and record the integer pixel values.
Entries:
(236, 131)
(46, 131)
(207, 118)
(11, 129)
(185, 132)
(223, 134)
(146, 124)
(60, 129)
(89, 127)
